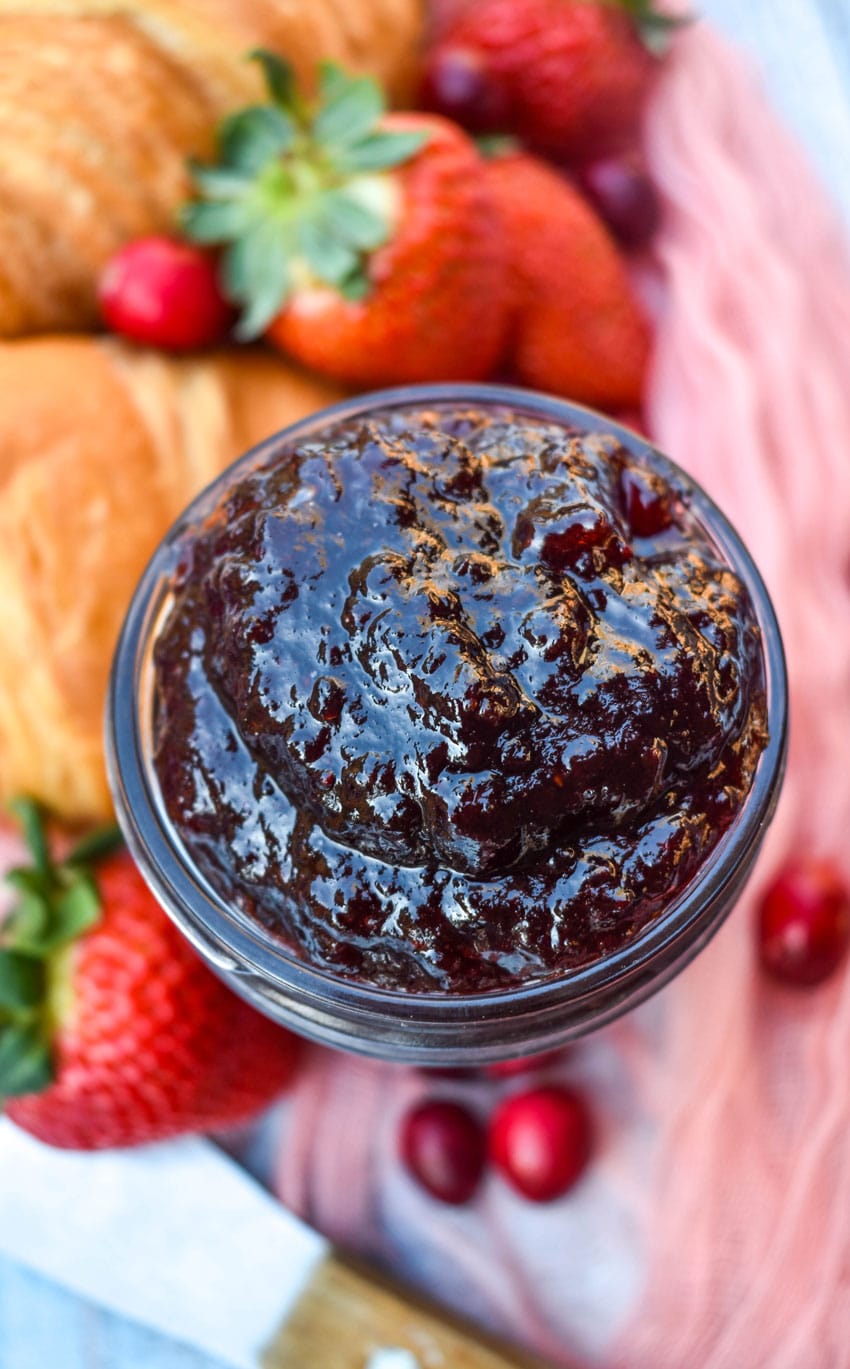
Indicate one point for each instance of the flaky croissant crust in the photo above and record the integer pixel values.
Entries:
(101, 102)
(101, 446)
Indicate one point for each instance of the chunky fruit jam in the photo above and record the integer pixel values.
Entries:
(456, 699)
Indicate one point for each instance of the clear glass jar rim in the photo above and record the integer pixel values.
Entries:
(237, 946)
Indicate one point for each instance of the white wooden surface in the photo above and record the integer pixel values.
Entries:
(802, 49)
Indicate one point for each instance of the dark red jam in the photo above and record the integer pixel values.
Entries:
(454, 700)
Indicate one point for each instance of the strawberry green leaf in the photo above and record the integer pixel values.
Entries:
(76, 911)
(492, 145)
(257, 277)
(655, 27)
(103, 841)
(380, 151)
(27, 928)
(220, 183)
(249, 139)
(279, 77)
(29, 815)
(350, 108)
(28, 880)
(333, 80)
(332, 261)
(352, 223)
(21, 981)
(214, 221)
(56, 903)
(25, 1064)
(355, 288)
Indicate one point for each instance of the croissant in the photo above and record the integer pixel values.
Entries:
(101, 446)
(102, 101)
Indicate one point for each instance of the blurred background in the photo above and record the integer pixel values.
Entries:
(800, 51)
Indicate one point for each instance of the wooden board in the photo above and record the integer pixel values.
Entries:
(346, 1319)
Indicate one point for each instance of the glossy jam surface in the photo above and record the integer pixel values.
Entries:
(452, 700)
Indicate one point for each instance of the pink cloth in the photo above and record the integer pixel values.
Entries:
(713, 1229)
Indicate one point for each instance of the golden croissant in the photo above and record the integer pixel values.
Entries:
(101, 446)
(102, 101)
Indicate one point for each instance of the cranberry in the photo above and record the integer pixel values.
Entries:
(508, 1069)
(457, 84)
(541, 1141)
(165, 294)
(621, 192)
(645, 502)
(442, 1146)
(804, 923)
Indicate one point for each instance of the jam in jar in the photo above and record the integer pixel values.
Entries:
(451, 697)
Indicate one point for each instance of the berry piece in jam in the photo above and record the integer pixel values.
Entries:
(646, 502)
(575, 537)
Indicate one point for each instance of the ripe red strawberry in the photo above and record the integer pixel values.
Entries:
(164, 294)
(112, 1030)
(576, 327)
(363, 243)
(569, 77)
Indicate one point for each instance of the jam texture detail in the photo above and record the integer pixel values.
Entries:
(452, 700)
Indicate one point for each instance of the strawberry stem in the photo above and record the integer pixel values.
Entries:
(655, 26)
(492, 145)
(29, 815)
(25, 1062)
(56, 903)
(103, 841)
(297, 194)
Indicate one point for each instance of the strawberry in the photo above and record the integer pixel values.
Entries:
(569, 77)
(577, 329)
(112, 1030)
(164, 294)
(363, 243)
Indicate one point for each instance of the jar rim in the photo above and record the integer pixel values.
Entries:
(389, 1022)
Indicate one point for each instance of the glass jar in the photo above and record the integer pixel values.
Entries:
(427, 1028)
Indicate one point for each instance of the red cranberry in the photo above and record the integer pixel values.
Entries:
(541, 1141)
(645, 502)
(442, 1146)
(621, 192)
(508, 1069)
(457, 84)
(804, 923)
(165, 294)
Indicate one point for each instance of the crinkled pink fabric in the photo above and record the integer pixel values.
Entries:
(713, 1229)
